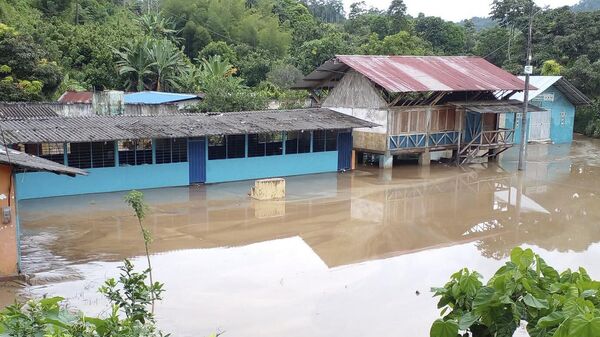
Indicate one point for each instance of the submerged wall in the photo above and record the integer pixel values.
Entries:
(32, 185)
(43, 184)
(271, 166)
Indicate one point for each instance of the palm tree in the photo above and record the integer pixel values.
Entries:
(158, 26)
(135, 61)
(167, 63)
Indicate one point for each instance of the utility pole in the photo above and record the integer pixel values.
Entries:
(528, 72)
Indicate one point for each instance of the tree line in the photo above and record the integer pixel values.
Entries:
(258, 48)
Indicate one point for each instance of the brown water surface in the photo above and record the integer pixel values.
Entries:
(344, 255)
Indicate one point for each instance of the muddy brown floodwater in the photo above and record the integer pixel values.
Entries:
(344, 255)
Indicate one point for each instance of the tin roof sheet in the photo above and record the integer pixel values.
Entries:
(106, 128)
(497, 107)
(543, 83)
(19, 110)
(76, 97)
(156, 97)
(399, 74)
(27, 161)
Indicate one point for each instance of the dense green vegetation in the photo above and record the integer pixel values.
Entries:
(524, 289)
(166, 44)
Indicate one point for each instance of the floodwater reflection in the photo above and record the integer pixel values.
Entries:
(343, 255)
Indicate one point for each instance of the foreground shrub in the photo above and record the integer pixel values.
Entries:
(553, 304)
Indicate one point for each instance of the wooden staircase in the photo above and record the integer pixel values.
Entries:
(486, 144)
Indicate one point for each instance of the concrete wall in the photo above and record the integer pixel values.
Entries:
(84, 110)
(43, 184)
(121, 178)
(271, 166)
(561, 128)
(8, 232)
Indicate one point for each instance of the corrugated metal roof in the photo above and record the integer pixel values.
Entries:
(25, 110)
(27, 161)
(156, 97)
(496, 107)
(399, 74)
(76, 97)
(105, 128)
(543, 83)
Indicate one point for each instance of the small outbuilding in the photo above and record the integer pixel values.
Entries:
(558, 99)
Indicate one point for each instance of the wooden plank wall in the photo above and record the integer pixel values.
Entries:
(414, 119)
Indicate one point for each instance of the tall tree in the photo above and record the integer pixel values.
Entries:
(397, 13)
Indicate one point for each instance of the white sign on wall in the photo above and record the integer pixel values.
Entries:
(549, 97)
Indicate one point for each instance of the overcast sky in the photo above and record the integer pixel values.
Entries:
(454, 10)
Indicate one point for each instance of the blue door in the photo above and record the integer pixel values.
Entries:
(197, 160)
(344, 143)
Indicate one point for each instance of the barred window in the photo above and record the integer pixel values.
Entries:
(236, 146)
(50, 151)
(80, 155)
(255, 147)
(274, 143)
(135, 152)
(103, 154)
(217, 148)
(171, 150)
(331, 140)
(297, 142)
(319, 141)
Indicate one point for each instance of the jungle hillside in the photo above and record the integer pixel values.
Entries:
(256, 49)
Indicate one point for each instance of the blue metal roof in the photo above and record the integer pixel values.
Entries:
(155, 97)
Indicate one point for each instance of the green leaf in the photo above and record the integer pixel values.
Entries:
(535, 302)
(551, 320)
(585, 327)
(442, 328)
(467, 320)
(522, 258)
(484, 297)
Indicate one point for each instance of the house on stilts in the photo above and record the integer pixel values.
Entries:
(423, 104)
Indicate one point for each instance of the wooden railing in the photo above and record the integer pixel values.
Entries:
(423, 140)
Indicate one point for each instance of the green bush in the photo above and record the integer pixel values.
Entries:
(525, 288)
(129, 297)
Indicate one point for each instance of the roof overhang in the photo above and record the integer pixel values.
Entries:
(496, 107)
(408, 74)
(26, 161)
(111, 128)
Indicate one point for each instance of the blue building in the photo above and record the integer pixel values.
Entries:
(558, 99)
(159, 97)
(137, 152)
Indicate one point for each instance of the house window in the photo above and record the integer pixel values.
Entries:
(80, 155)
(217, 148)
(331, 140)
(171, 150)
(297, 142)
(319, 141)
(50, 151)
(135, 152)
(226, 147)
(236, 146)
(103, 154)
(265, 144)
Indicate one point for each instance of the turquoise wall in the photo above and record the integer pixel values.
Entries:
(271, 166)
(560, 133)
(43, 184)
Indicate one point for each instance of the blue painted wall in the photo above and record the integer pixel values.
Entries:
(561, 131)
(271, 166)
(43, 184)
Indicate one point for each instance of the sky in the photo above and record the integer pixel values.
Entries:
(454, 10)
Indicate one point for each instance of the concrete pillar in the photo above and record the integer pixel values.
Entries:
(386, 161)
(425, 158)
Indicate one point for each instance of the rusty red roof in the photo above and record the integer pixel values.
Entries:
(76, 97)
(418, 73)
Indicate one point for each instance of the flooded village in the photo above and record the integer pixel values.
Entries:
(373, 180)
